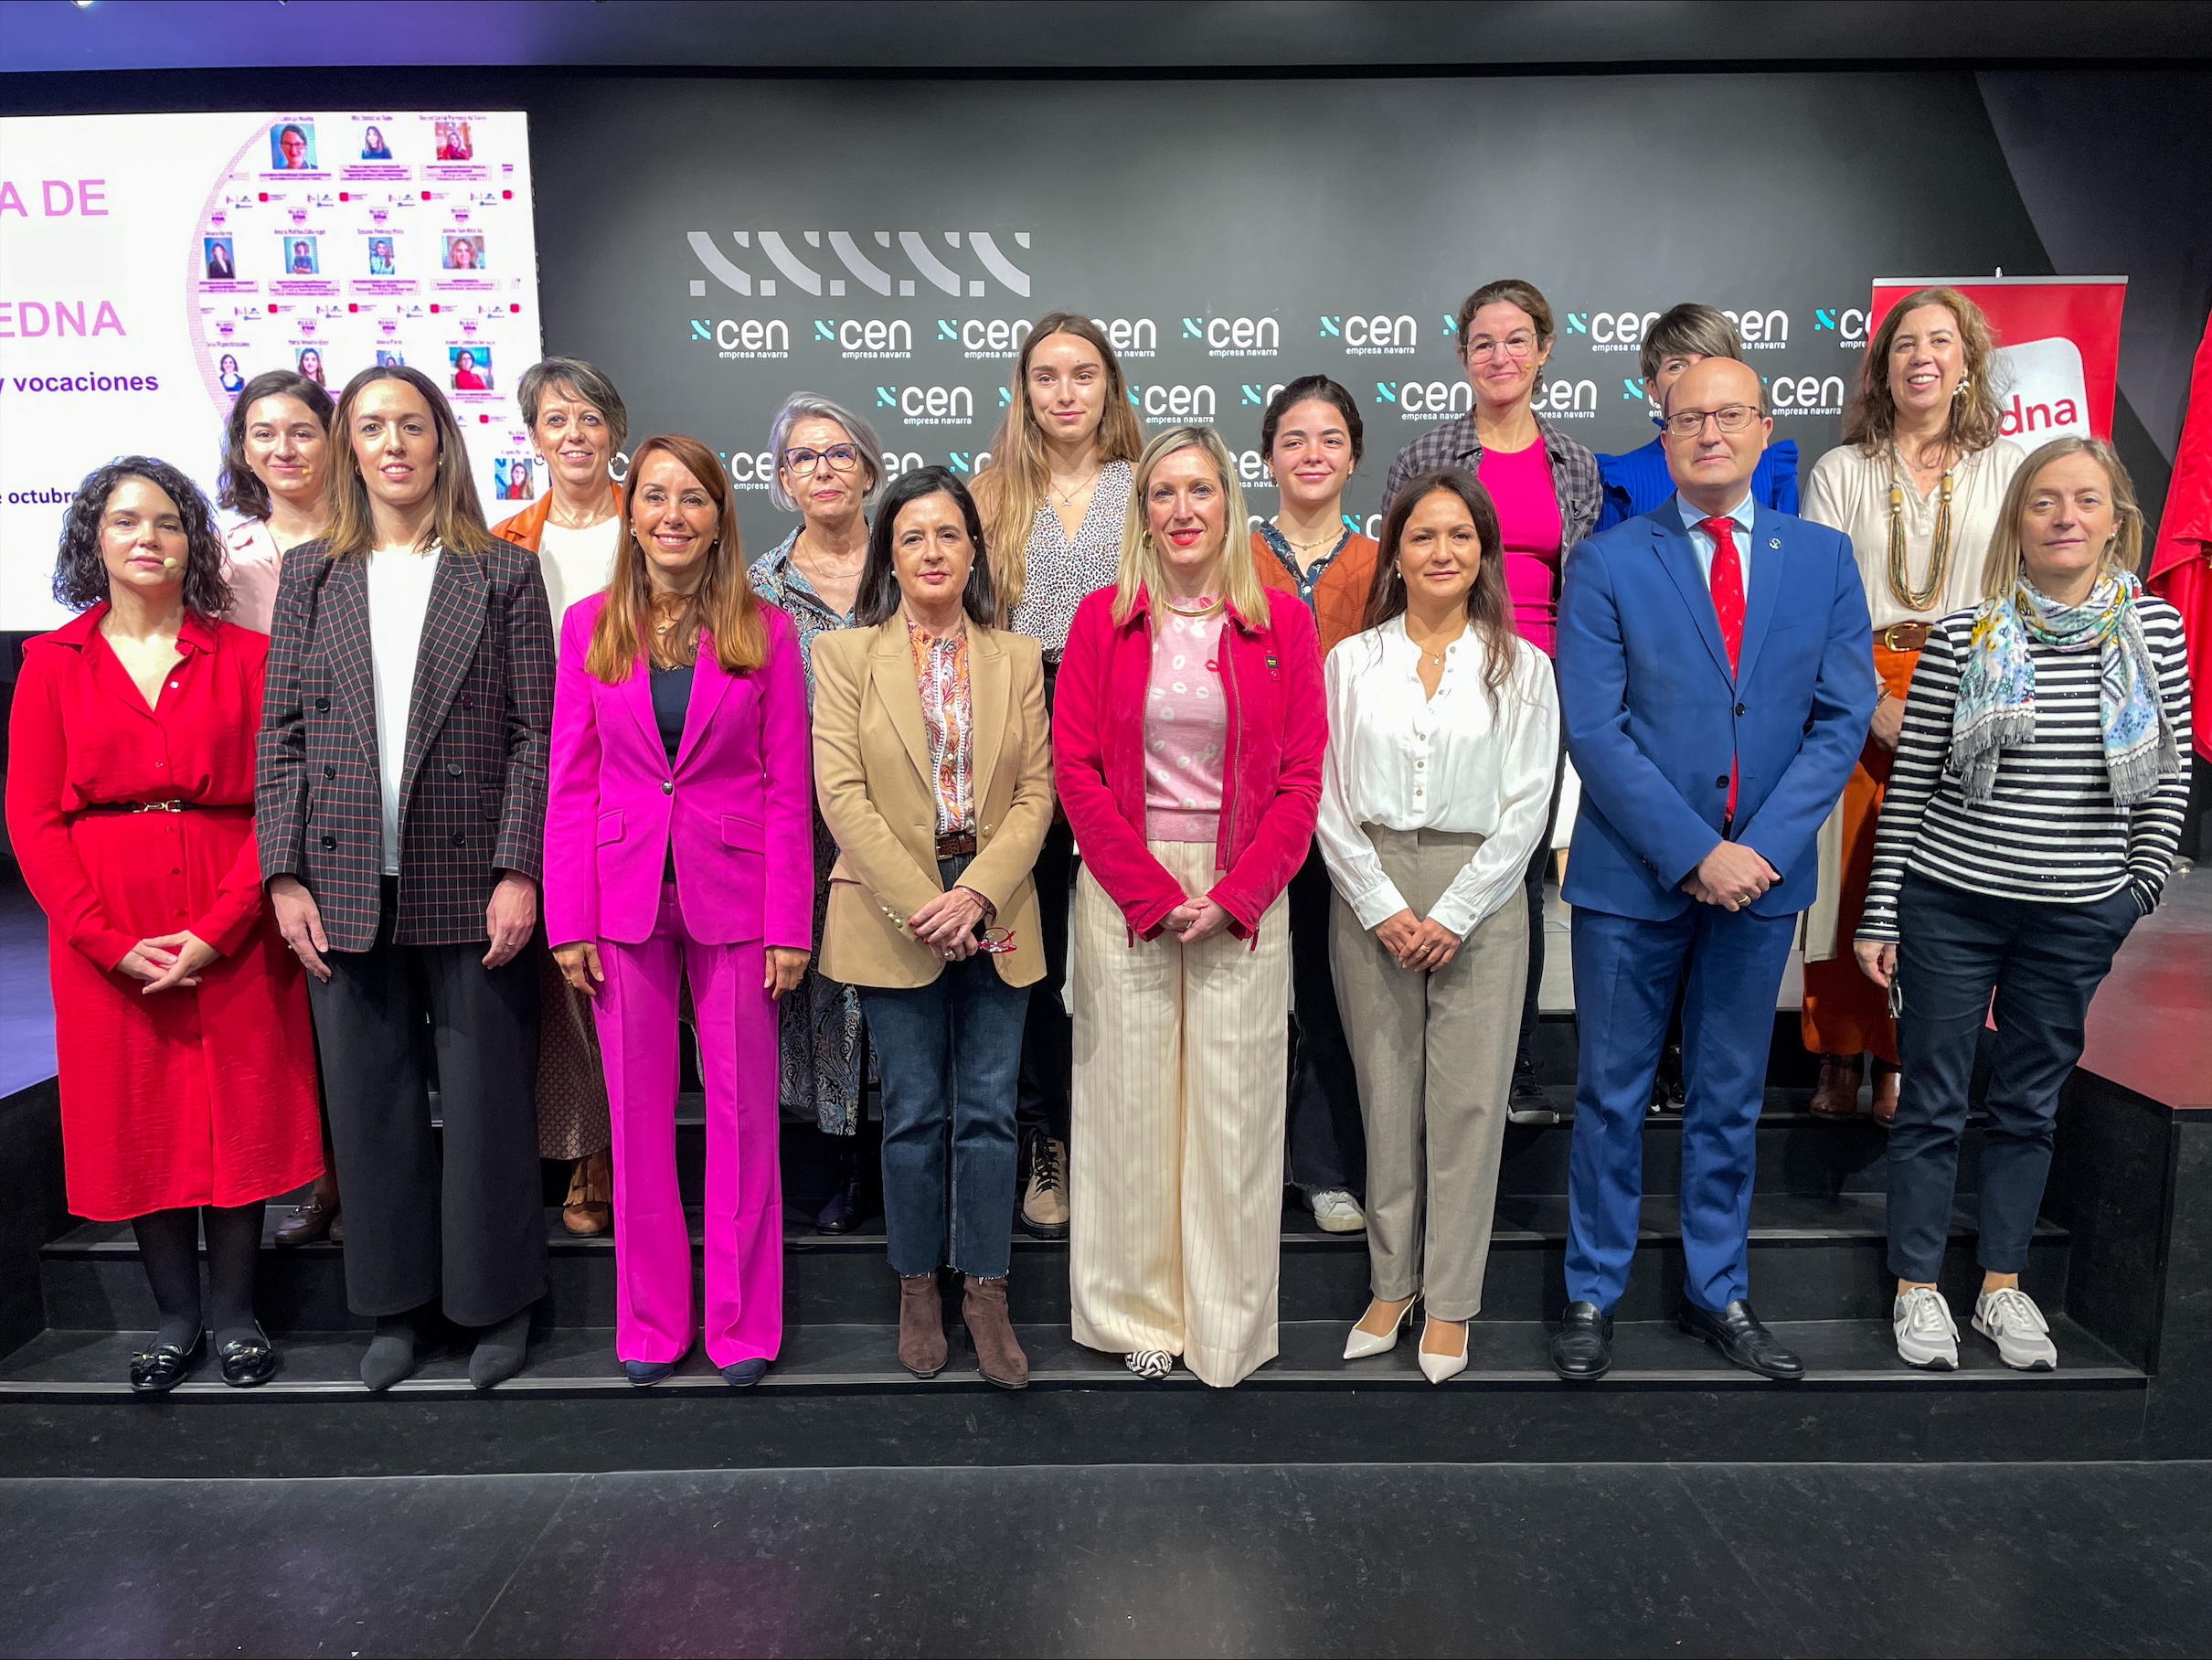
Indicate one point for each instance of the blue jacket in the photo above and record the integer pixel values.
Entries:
(1639, 482)
(1652, 715)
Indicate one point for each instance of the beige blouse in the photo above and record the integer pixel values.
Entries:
(1849, 491)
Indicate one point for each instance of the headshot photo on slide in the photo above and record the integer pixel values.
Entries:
(471, 368)
(381, 262)
(464, 250)
(226, 372)
(303, 258)
(389, 357)
(373, 148)
(454, 144)
(292, 147)
(311, 365)
(217, 257)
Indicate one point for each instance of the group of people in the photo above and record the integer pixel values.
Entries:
(1159, 854)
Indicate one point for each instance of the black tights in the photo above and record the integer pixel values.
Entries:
(168, 1241)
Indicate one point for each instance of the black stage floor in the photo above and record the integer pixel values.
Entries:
(1867, 1559)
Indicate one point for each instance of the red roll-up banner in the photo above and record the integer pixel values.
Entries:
(2057, 364)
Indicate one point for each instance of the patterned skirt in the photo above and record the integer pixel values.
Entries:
(572, 1121)
(820, 1032)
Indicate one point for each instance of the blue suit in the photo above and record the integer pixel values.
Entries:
(1655, 720)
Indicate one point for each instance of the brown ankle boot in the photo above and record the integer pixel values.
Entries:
(998, 1356)
(1835, 1096)
(1887, 1080)
(921, 1325)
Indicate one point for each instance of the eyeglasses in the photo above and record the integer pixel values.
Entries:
(842, 458)
(998, 941)
(1729, 417)
(1519, 347)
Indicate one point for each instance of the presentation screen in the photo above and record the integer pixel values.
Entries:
(151, 265)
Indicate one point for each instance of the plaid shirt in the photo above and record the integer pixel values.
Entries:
(1574, 470)
(472, 794)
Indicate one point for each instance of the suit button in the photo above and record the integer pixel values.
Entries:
(667, 786)
(460, 839)
(330, 841)
(1739, 710)
(453, 767)
(322, 703)
(1721, 782)
(329, 770)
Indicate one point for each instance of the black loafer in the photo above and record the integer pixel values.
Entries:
(248, 1361)
(646, 1373)
(744, 1374)
(1735, 1332)
(1582, 1349)
(159, 1370)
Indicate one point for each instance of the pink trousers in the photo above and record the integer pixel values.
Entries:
(744, 1211)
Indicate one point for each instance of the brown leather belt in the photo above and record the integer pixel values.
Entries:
(959, 844)
(1902, 636)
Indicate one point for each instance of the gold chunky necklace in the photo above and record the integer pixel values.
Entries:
(1938, 552)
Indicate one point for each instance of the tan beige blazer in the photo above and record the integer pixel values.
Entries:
(872, 773)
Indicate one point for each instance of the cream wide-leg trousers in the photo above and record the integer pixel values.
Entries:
(1176, 1156)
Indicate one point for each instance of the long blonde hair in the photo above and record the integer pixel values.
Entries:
(458, 520)
(1240, 583)
(1975, 422)
(723, 604)
(2000, 572)
(1012, 488)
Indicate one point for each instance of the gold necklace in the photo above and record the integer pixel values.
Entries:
(1327, 541)
(1938, 552)
(1206, 608)
(1066, 498)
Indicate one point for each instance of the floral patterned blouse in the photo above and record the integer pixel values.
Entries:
(948, 716)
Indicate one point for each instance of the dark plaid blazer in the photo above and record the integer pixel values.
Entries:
(472, 797)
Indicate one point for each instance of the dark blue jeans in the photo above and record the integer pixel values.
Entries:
(950, 1055)
(2043, 962)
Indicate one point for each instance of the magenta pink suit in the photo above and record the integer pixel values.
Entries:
(737, 807)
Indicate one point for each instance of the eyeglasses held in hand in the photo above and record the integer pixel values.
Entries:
(1729, 417)
(998, 941)
(842, 458)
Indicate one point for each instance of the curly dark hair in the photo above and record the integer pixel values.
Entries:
(240, 487)
(80, 575)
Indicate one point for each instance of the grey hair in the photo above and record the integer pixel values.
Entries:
(586, 380)
(813, 405)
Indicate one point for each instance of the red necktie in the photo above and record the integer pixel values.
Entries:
(1728, 605)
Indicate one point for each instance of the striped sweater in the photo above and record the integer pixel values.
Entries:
(2050, 831)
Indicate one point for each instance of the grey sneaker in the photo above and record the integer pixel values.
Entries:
(1926, 1337)
(2010, 1320)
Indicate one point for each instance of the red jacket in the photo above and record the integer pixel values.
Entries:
(1271, 794)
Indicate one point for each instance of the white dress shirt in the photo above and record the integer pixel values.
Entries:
(1403, 761)
(1702, 540)
(398, 600)
(577, 564)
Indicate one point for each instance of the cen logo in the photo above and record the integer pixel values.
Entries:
(737, 338)
(1160, 405)
(1236, 337)
(1377, 336)
(1847, 323)
(985, 336)
(867, 336)
(929, 406)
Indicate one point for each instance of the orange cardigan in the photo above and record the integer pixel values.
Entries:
(1340, 600)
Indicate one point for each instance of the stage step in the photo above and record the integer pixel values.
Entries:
(838, 1396)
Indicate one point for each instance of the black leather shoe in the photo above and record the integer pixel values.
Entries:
(248, 1361)
(646, 1373)
(159, 1370)
(843, 1213)
(1735, 1332)
(1582, 1349)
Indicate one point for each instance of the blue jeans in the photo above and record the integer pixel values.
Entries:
(2043, 962)
(950, 1055)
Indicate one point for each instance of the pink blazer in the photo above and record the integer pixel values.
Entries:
(738, 801)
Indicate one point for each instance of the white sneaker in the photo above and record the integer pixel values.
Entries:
(1926, 1337)
(2010, 1319)
(1337, 1211)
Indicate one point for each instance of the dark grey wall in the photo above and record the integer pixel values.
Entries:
(1181, 207)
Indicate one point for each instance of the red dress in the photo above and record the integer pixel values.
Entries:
(188, 1097)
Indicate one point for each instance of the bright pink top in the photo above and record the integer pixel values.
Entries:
(1185, 730)
(1519, 482)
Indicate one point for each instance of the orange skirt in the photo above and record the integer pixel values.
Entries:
(1845, 1012)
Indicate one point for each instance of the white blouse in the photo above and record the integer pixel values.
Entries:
(1849, 491)
(577, 563)
(1404, 760)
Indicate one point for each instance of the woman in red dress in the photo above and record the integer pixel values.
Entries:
(187, 1066)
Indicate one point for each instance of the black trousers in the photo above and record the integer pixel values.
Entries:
(468, 1227)
(1048, 1035)
(1328, 1142)
(2043, 963)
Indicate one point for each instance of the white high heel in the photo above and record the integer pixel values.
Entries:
(1439, 1368)
(1363, 1343)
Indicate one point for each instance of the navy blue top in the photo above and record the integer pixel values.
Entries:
(671, 704)
(1638, 481)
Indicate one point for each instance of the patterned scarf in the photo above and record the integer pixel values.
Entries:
(1996, 705)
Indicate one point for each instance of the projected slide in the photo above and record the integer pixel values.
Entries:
(154, 264)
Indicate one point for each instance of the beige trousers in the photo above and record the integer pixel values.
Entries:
(1176, 1157)
(1434, 1056)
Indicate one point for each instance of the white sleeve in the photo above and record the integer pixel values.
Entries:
(1528, 731)
(1354, 868)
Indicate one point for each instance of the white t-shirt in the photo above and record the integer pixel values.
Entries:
(398, 600)
(577, 563)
